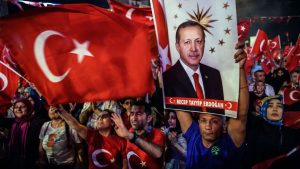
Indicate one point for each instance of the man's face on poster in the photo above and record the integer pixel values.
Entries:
(191, 45)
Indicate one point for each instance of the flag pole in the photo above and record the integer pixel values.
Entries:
(6, 65)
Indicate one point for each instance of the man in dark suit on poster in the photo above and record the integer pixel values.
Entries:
(189, 78)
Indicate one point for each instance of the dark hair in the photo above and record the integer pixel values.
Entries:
(143, 103)
(258, 71)
(177, 128)
(187, 24)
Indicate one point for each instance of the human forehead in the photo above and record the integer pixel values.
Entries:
(20, 104)
(209, 116)
(275, 101)
(260, 73)
(191, 32)
(98, 112)
(137, 108)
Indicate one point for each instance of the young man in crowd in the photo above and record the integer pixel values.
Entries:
(145, 145)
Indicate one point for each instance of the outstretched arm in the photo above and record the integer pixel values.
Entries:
(237, 127)
(73, 123)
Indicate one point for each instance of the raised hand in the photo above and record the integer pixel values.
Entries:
(120, 128)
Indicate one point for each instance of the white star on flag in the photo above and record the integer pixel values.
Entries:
(164, 56)
(149, 17)
(143, 163)
(81, 50)
(243, 28)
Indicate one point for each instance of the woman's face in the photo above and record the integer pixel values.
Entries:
(102, 119)
(172, 120)
(20, 110)
(53, 113)
(275, 110)
(260, 87)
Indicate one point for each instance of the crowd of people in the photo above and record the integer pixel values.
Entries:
(139, 133)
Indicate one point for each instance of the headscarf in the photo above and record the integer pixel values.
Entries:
(264, 106)
(18, 132)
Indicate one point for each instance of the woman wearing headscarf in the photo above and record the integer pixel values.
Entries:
(267, 137)
(24, 136)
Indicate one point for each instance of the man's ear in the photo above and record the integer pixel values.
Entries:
(149, 118)
(177, 46)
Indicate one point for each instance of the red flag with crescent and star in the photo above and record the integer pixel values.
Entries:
(293, 57)
(8, 84)
(80, 52)
(141, 15)
(261, 43)
(275, 44)
(161, 33)
(291, 96)
(243, 29)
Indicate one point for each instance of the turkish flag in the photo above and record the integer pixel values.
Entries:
(249, 62)
(291, 96)
(243, 29)
(275, 47)
(141, 15)
(292, 119)
(161, 33)
(286, 50)
(267, 64)
(275, 44)
(292, 58)
(261, 43)
(8, 84)
(267, 163)
(80, 52)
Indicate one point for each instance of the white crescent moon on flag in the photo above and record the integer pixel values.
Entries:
(5, 81)
(292, 95)
(39, 54)
(94, 157)
(129, 154)
(261, 45)
(129, 13)
(171, 100)
(273, 45)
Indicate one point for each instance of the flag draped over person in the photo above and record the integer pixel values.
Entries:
(80, 52)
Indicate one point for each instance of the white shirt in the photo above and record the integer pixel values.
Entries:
(190, 72)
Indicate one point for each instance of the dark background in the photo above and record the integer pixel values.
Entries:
(246, 9)
(272, 8)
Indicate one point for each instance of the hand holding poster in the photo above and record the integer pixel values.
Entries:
(204, 77)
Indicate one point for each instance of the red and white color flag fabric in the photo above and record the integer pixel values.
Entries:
(291, 96)
(243, 29)
(274, 44)
(87, 54)
(161, 33)
(261, 43)
(8, 84)
(141, 15)
(249, 62)
(293, 58)
(268, 163)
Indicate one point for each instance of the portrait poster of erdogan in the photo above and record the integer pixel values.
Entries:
(204, 76)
